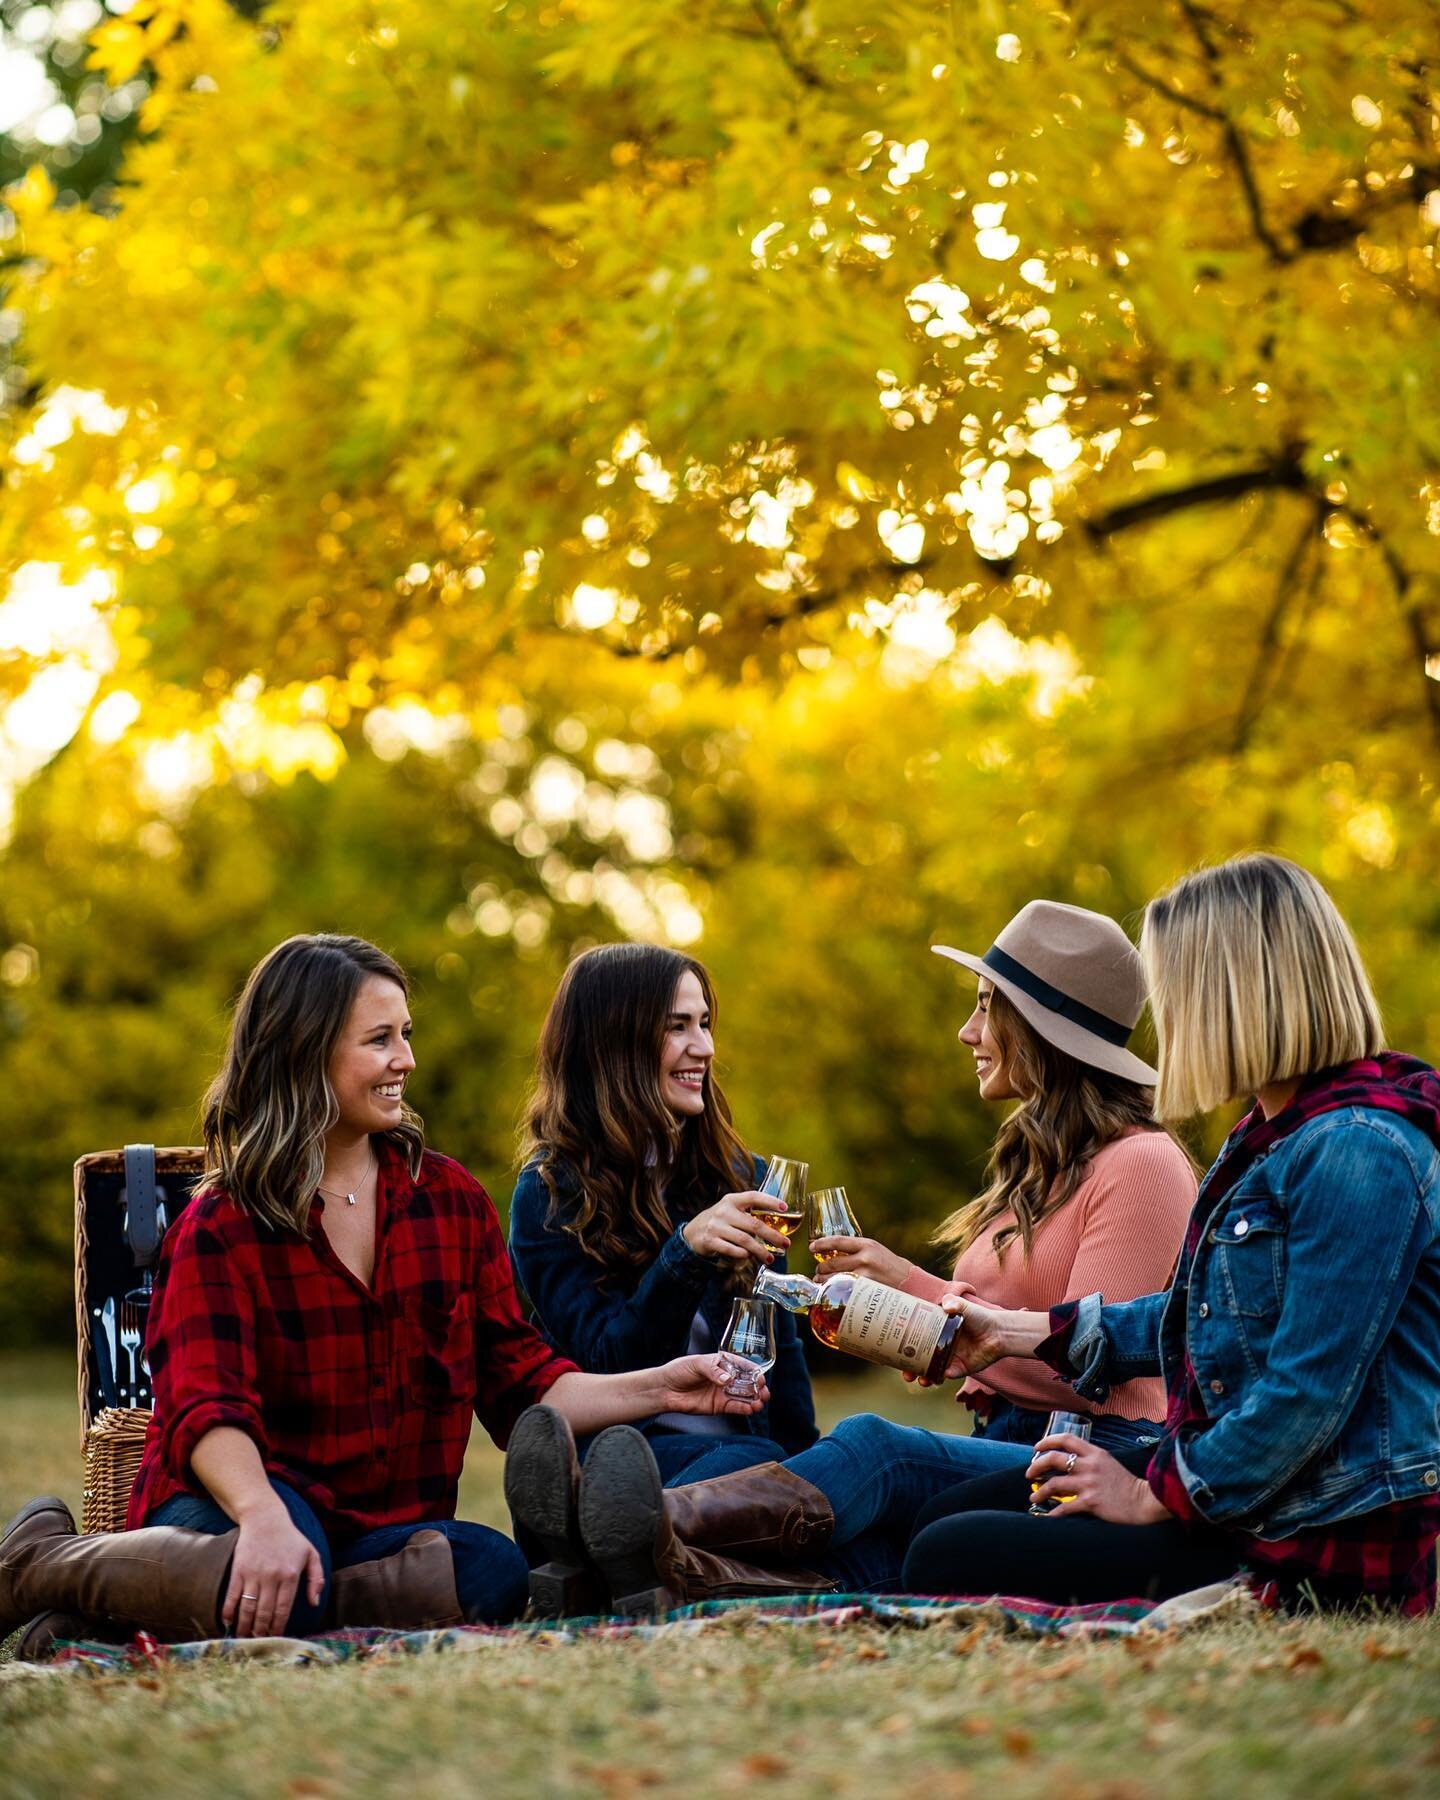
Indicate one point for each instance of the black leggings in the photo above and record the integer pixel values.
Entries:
(979, 1537)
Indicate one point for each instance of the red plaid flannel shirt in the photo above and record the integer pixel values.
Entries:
(360, 1399)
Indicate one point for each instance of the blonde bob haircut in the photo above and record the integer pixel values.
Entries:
(1254, 978)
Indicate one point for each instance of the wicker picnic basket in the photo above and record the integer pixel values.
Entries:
(124, 1199)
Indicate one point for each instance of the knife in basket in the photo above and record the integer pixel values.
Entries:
(104, 1345)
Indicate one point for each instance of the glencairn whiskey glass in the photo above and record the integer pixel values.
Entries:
(784, 1182)
(830, 1214)
(1078, 1425)
(748, 1346)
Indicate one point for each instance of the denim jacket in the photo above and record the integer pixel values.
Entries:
(1311, 1313)
(606, 1325)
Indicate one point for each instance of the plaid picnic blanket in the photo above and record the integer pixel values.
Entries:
(1005, 1614)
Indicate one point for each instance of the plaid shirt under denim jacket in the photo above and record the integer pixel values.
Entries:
(360, 1398)
(607, 1324)
(1300, 1335)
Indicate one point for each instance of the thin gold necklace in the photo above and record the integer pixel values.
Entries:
(351, 1199)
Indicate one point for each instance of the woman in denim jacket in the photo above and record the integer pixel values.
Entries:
(1299, 1339)
(633, 1224)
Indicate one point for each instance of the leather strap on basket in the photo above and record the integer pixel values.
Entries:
(142, 1225)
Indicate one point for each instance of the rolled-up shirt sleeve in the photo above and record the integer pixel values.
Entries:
(201, 1345)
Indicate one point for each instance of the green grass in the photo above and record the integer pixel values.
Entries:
(1320, 1708)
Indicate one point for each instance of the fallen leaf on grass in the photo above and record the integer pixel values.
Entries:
(1017, 1741)
(763, 1765)
(977, 1725)
(870, 1653)
(1304, 1656)
(967, 1641)
(620, 1780)
(1376, 1650)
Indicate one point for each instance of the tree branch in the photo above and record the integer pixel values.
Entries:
(1282, 472)
(1401, 579)
(770, 25)
(1259, 687)
(1235, 145)
(1187, 101)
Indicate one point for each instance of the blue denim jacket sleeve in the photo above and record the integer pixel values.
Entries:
(1111, 1344)
(598, 1326)
(1358, 1227)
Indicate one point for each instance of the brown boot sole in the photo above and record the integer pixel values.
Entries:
(44, 1635)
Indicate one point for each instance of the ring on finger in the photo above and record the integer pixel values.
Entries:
(1070, 1463)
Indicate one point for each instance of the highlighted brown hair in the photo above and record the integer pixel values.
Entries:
(1067, 1112)
(608, 1147)
(267, 1111)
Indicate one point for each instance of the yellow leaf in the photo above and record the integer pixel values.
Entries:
(859, 486)
(118, 49)
(31, 198)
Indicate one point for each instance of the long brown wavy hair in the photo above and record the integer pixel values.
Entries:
(267, 1111)
(1067, 1112)
(608, 1147)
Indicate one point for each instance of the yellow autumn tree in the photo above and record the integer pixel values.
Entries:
(792, 477)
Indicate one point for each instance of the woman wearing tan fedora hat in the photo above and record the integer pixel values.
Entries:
(1084, 1191)
(1081, 1179)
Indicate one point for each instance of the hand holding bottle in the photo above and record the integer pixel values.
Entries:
(986, 1334)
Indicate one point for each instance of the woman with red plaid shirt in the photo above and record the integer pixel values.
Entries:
(330, 1309)
(1300, 1336)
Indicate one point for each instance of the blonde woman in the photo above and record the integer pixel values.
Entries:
(1299, 1339)
(330, 1311)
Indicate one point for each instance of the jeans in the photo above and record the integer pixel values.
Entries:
(491, 1577)
(877, 1475)
(686, 1456)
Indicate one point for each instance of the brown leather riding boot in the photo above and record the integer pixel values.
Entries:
(409, 1591)
(626, 1524)
(168, 1581)
(40, 1638)
(765, 1511)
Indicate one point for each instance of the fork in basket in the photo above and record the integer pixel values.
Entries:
(134, 1315)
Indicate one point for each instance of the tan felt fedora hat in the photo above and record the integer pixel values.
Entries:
(1074, 977)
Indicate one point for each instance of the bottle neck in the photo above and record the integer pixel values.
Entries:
(792, 1291)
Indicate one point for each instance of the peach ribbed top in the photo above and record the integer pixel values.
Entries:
(1118, 1235)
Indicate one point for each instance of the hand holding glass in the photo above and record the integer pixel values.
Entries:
(748, 1347)
(785, 1182)
(1078, 1425)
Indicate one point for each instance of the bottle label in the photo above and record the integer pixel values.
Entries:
(886, 1326)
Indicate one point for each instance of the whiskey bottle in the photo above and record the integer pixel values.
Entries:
(867, 1319)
